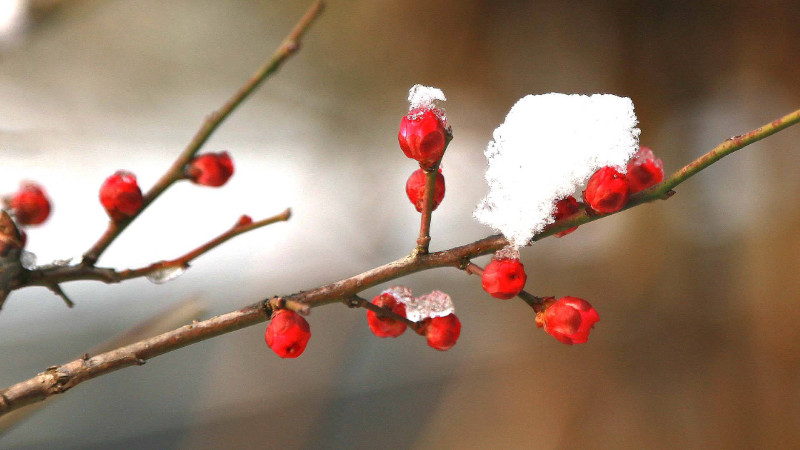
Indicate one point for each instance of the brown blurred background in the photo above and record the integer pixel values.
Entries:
(697, 346)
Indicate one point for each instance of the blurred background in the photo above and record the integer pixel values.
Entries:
(697, 346)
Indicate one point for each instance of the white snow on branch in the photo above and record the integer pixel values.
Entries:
(548, 146)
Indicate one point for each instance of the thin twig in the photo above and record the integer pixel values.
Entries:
(424, 240)
(290, 46)
(51, 276)
(184, 260)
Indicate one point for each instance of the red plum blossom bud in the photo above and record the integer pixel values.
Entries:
(30, 204)
(565, 208)
(568, 319)
(385, 326)
(442, 332)
(210, 169)
(644, 170)
(607, 191)
(504, 278)
(287, 333)
(415, 189)
(121, 196)
(423, 136)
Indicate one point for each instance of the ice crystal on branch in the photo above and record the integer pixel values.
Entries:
(435, 304)
(548, 146)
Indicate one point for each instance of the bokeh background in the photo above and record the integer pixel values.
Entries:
(698, 344)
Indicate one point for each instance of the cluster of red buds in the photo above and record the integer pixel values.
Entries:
(608, 190)
(423, 136)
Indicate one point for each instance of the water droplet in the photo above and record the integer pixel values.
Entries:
(166, 274)
(28, 260)
(435, 304)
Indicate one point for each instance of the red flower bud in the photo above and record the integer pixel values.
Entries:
(569, 319)
(287, 333)
(442, 332)
(644, 170)
(423, 136)
(415, 189)
(384, 326)
(565, 208)
(210, 169)
(607, 191)
(30, 204)
(121, 196)
(504, 278)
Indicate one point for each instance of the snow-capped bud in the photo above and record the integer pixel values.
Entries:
(504, 278)
(210, 169)
(423, 136)
(287, 333)
(385, 326)
(607, 191)
(415, 189)
(442, 332)
(121, 196)
(30, 204)
(644, 170)
(565, 208)
(568, 319)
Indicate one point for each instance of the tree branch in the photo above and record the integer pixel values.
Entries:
(289, 47)
(58, 379)
(53, 275)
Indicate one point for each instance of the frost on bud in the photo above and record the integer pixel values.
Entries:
(415, 189)
(210, 169)
(423, 131)
(566, 207)
(384, 326)
(442, 332)
(607, 191)
(435, 304)
(504, 278)
(568, 319)
(30, 204)
(548, 146)
(644, 170)
(287, 333)
(121, 196)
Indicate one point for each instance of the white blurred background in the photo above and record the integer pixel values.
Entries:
(697, 344)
